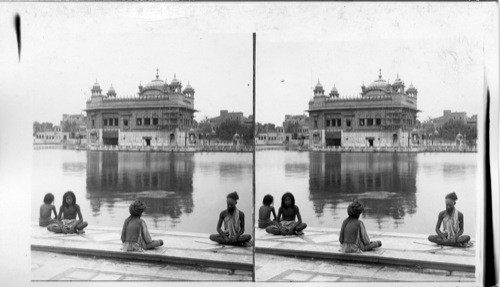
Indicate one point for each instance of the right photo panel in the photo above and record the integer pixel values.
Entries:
(369, 132)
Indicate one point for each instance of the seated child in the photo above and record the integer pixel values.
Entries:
(265, 212)
(66, 219)
(286, 224)
(353, 236)
(135, 234)
(46, 209)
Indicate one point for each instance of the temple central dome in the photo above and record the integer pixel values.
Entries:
(378, 83)
(155, 83)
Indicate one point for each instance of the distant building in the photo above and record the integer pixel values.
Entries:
(472, 121)
(384, 115)
(160, 115)
(270, 138)
(248, 121)
(215, 122)
(54, 136)
(448, 116)
(295, 131)
(75, 125)
(297, 126)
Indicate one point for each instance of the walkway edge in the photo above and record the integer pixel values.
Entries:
(368, 259)
(139, 256)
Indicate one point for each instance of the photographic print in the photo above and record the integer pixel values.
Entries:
(368, 162)
(142, 147)
(248, 143)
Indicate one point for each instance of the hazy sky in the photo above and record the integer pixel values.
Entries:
(438, 48)
(64, 57)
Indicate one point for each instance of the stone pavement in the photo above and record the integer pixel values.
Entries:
(277, 268)
(412, 250)
(179, 248)
(49, 266)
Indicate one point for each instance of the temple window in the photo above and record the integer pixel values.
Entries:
(105, 122)
(147, 121)
(93, 123)
(125, 123)
(369, 122)
(361, 122)
(339, 122)
(155, 121)
(348, 123)
(378, 122)
(116, 121)
(139, 122)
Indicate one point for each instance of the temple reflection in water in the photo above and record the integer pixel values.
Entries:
(163, 181)
(385, 183)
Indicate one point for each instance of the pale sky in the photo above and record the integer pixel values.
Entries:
(438, 48)
(63, 59)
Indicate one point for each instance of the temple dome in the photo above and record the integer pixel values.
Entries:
(188, 88)
(96, 85)
(411, 88)
(155, 84)
(318, 88)
(174, 81)
(398, 81)
(378, 84)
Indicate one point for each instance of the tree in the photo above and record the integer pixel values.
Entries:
(291, 127)
(228, 128)
(451, 128)
(42, 127)
(70, 126)
(204, 126)
(265, 128)
(36, 127)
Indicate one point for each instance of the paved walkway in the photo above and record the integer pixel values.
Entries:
(179, 248)
(397, 249)
(285, 268)
(49, 266)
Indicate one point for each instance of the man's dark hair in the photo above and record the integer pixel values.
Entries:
(68, 193)
(268, 199)
(233, 195)
(452, 196)
(287, 194)
(48, 198)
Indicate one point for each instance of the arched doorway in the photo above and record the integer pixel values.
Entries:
(394, 139)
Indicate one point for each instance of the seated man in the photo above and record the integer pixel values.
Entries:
(135, 234)
(453, 225)
(353, 236)
(234, 225)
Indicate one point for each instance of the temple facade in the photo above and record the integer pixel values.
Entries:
(161, 114)
(384, 114)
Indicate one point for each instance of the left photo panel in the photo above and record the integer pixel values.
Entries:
(142, 147)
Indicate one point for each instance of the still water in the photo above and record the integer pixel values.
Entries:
(401, 192)
(183, 191)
